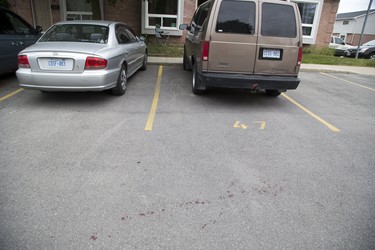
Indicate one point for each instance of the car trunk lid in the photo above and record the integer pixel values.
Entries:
(60, 56)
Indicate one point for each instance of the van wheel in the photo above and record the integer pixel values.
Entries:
(272, 92)
(372, 56)
(122, 81)
(195, 81)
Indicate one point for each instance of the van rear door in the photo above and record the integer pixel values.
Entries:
(233, 39)
(279, 39)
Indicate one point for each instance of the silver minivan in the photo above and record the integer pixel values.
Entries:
(248, 44)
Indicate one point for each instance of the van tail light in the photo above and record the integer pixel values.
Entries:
(299, 61)
(95, 63)
(23, 62)
(205, 50)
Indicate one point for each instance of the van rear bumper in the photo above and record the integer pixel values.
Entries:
(242, 81)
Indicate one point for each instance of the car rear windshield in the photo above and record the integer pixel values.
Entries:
(278, 20)
(236, 17)
(76, 33)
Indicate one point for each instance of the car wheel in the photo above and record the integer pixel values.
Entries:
(272, 92)
(185, 62)
(122, 81)
(372, 56)
(195, 81)
(144, 64)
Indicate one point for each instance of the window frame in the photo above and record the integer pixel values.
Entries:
(311, 39)
(64, 13)
(172, 31)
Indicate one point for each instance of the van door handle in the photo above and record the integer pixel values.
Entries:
(14, 43)
(22, 43)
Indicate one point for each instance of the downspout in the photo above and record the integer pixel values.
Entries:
(32, 12)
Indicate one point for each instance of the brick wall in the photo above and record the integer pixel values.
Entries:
(355, 40)
(129, 11)
(327, 20)
(55, 12)
(126, 11)
(23, 9)
(189, 9)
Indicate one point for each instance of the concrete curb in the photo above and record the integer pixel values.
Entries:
(304, 67)
(164, 60)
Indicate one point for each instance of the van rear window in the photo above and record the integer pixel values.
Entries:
(236, 17)
(278, 20)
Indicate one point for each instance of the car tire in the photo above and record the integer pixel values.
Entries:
(122, 81)
(185, 62)
(195, 80)
(144, 64)
(272, 92)
(371, 56)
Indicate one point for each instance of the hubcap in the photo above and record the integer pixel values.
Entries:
(372, 57)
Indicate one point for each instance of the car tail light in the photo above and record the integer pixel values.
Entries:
(205, 50)
(95, 63)
(23, 62)
(299, 61)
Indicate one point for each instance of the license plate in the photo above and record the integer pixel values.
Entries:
(56, 63)
(271, 53)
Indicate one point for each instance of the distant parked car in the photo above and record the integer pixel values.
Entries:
(15, 35)
(367, 51)
(339, 45)
(335, 42)
(82, 56)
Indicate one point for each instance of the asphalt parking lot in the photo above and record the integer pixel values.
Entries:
(162, 168)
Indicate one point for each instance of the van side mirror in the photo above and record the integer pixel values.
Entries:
(184, 27)
(142, 38)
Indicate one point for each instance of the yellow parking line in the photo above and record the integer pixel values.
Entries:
(330, 126)
(356, 84)
(151, 116)
(11, 94)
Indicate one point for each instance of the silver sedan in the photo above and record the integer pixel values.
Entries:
(82, 56)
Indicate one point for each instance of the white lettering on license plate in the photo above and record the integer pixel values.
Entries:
(56, 63)
(271, 53)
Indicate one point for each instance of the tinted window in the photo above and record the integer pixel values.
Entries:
(236, 17)
(12, 24)
(278, 20)
(76, 33)
(122, 35)
(202, 14)
(131, 35)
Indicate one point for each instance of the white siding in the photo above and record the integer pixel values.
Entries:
(355, 26)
